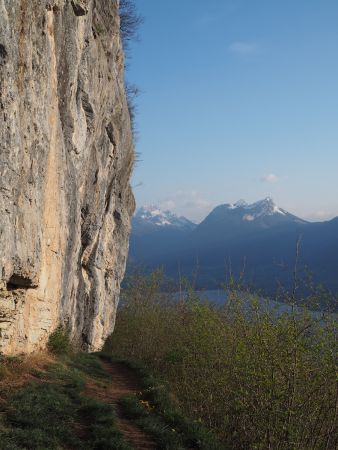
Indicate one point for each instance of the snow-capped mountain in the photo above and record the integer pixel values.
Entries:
(155, 231)
(148, 216)
(240, 221)
(265, 207)
(260, 209)
(261, 233)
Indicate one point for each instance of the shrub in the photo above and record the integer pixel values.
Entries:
(59, 342)
(258, 379)
(132, 92)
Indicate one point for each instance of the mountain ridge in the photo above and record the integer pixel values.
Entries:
(266, 240)
(153, 215)
(251, 211)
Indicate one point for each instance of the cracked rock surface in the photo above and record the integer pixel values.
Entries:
(66, 155)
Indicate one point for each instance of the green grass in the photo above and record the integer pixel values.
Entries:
(53, 413)
(89, 364)
(52, 410)
(156, 412)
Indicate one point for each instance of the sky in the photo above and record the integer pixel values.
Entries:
(239, 101)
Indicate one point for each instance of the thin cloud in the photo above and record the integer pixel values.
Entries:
(191, 204)
(321, 215)
(270, 178)
(168, 204)
(244, 49)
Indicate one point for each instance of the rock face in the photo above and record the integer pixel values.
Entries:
(66, 155)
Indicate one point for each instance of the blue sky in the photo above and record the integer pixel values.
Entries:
(240, 100)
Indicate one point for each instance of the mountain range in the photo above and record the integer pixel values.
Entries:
(261, 241)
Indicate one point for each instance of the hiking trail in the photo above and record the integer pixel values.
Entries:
(124, 382)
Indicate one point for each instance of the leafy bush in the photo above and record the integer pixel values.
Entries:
(258, 379)
(58, 342)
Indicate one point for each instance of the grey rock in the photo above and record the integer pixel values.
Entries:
(66, 156)
(80, 7)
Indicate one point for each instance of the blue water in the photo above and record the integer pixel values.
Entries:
(220, 297)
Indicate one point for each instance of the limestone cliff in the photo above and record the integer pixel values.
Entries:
(66, 156)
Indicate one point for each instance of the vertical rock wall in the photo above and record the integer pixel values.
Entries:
(66, 155)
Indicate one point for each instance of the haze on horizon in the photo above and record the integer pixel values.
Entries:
(239, 101)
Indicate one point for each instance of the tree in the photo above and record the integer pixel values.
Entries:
(130, 21)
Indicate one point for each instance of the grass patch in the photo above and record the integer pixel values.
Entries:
(156, 412)
(90, 365)
(55, 406)
(52, 411)
(16, 371)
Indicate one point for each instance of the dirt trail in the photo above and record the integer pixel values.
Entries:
(124, 382)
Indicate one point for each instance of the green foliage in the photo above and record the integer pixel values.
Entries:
(258, 379)
(59, 343)
(56, 409)
(156, 412)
